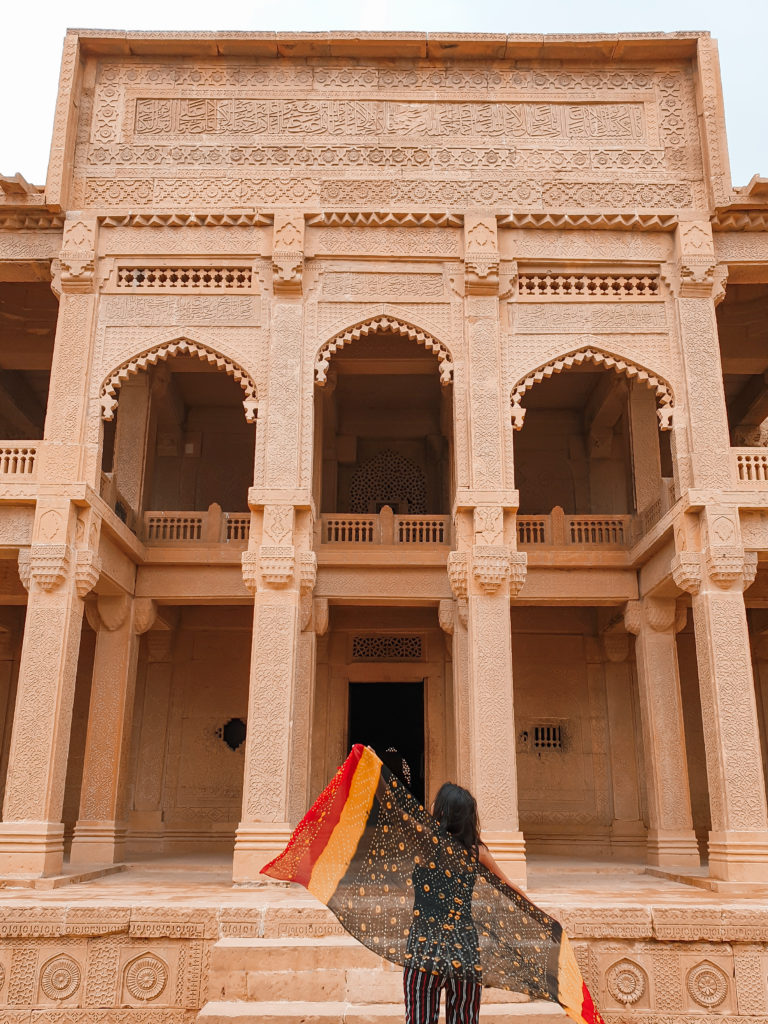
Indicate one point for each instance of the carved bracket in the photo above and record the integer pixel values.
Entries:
(490, 566)
(250, 566)
(48, 565)
(276, 563)
(458, 573)
(288, 253)
(686, 571)
(481, 255)
(77, 256)
(445, 616)
(518, 570)
(730, 563)
(87, 571)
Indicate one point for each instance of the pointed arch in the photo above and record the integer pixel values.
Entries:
(663, 391)
(108, 394)
(393, 325)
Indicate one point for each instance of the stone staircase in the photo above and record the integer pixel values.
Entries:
(326, 980)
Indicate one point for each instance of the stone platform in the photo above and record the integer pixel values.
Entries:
(173, 941)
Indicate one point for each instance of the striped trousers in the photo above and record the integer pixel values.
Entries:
(422, 998)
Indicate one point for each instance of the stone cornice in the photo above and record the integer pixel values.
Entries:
(454, 45)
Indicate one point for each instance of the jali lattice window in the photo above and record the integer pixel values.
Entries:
(386, 648)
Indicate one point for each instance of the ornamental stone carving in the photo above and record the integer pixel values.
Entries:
(77, 257)
(288, 252)
(481, 255)
(518, 570)
(184, 347)
(660, 388)
(490, 566)
(730, 563)
(87, 571)
(60, 977)
(377, 325)
(146, 977)
(49, 564)
(686, 571)
(276, 563)
(307, 564)
(458, 572)
(707, 984)
(626, 982)
(445, 616)
(250, 565)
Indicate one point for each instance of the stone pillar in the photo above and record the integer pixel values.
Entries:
(314, 623)
(646, 455)
(485, 578)
(279, 568)
(57, 575)
(716, 579)
(627, 827)
(704, 461)
(671, 839)
(59, 569)
(99, 836)
(131, 433)
(9, 649)
(453, 617)
(147, 812)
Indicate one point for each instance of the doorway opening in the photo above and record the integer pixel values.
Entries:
(383, 715)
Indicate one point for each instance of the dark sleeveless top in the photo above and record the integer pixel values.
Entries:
(442, 937)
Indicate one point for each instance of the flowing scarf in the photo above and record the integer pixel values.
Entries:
(406, 889)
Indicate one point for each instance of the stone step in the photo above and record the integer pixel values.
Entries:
(311, 970)
(230, 1012)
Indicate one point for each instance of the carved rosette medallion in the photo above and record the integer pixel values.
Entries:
(146, 977)
(707, 984)
(60, 977)
(490, 566)
(626, 982)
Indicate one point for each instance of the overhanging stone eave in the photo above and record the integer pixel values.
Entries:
(618, 46)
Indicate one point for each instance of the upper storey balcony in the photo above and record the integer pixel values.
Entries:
(742, 321)
(383, 449)
(28, 311)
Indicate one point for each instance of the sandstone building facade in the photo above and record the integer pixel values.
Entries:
(402, 389)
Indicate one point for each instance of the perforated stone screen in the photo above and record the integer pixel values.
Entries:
(386, 648)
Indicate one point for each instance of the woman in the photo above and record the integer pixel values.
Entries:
(422, 891)
(443, 931)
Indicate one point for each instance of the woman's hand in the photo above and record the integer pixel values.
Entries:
(485, 858)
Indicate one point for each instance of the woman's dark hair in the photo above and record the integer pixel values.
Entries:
(456, 810)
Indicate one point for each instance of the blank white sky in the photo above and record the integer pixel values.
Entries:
(31, 33)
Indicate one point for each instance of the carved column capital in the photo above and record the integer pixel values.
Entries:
(490, 566)
(77, 259)
(87, 571)
(288, 252)
(729, 564)
(659, 614)
(445, 616)
(46, 565)
(518, 570)
(458, 572)
(249, 561)
(686, 571)
(481, 254)
(615, 646)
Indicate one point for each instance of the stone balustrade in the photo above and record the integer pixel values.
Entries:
(210, 527)
(384, 528)
(558, 530)
(749, 467)
(18, 460)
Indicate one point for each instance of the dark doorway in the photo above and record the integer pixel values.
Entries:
(385, 715)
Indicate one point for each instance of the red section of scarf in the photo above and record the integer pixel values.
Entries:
(312, 833)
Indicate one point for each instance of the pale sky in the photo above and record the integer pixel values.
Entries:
(31, 33)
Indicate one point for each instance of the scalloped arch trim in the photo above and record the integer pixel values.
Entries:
(108, 395)
(664, 397)
(375, 325)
